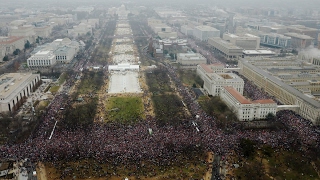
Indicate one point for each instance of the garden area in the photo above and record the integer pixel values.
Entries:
(125, 110)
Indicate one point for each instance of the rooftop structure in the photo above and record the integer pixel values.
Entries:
(204, 32)
(245, 41)
(15, 86)
(245, 109)
(308, 108)
(225, 48)
(191, 59)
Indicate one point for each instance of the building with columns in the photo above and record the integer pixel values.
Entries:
(41, 59)
(14, 88)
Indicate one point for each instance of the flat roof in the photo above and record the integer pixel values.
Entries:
(299, 36)
(281, 84)
(206, 28)
(224, 43)
(9, 82)
(262, 51)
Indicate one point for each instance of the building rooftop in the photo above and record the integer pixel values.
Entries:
(299, 36)
(281, 84)
(258, 52)
(237, 95)
(206, 28)
(224, 43)
(11, 81)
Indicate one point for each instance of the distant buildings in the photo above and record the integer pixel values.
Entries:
(204, 32)
(225, 48)
(191, 59)
(14, 87)
(300, 41)
(245, 41)
(162, 30)
(26, 31)
(275, 40)
(9, 44)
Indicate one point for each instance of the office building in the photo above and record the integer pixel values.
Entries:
(14, 87)
(191, 59)
(275, 40)
(245, 109)
(225, 48)
(245, 41)
(41, 59)
(300, 41)
(204, 32)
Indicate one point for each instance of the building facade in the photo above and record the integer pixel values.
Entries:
(245, 41)
(275, 40)
(191, 59)
(204, 32)
(213, 82)
(245, 109)
(41, 59)
(64, 54)
(300, 41)
(15, 87)
(308, 107)
(225, 48)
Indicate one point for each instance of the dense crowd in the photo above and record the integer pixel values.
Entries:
(129, 143)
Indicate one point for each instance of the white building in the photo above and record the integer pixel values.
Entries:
(225, 48)
(64, 54)
(204, 32)
(81, 29)
(188, 31)
(191, 59)
(245, 41)
(14, 87)
(203, 69)
(42, 59)
(245, 109)
(213, 82)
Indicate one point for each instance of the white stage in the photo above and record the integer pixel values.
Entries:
(124, 82)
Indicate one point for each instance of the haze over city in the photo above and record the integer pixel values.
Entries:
(129, 90)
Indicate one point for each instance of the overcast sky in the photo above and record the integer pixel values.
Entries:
(235, 3)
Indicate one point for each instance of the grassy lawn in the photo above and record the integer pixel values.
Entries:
(43, 104)
(62, 78)
(54, 89)
(279, 165)
(190, 77)
(91, 82)
(124, 109)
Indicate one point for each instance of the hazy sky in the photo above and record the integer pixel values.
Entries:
(235, 3)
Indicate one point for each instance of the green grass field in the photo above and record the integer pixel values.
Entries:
(54, 89)
(124, 109)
